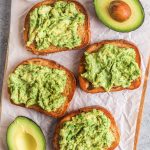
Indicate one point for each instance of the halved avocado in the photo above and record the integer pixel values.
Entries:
(24, 134)
(120, 15)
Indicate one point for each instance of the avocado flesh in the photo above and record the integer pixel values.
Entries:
(55, 25)
(87, 131)
(32, 84)
(135, 21)
(25, 134)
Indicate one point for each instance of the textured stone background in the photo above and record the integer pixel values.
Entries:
(144, 140)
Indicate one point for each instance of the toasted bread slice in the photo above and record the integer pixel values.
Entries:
(86, 85)
(83, 31)
(68, 92)
(69, 116)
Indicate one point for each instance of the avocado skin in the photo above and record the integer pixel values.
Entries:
(118, 30)
(23, 117)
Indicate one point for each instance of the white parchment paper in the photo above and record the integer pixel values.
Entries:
(124, 105)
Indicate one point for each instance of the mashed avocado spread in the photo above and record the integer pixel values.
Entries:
(86, 131)
(32, 84)
(111, 66)
(55, 25)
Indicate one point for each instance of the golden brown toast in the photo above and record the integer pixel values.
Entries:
(68, 92)
(83, 30)
(86, 86)
(69, 116)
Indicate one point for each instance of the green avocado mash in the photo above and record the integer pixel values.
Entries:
(55, 25)
(86, 131)
(32, 84)
(111, 66)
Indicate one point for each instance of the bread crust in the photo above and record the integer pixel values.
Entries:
(85, 85)
(68, 117)
(83, 31)
(68, 92)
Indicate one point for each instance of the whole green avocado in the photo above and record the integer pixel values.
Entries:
(25, 134)
(120, 15)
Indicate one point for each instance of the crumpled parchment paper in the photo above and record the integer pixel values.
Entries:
(124, 105)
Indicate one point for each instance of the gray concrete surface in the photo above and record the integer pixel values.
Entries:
(4, 32)
(144, 140)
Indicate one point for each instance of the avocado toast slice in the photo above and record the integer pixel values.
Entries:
(81, 31)
(43, 89)
(84, 116)
(86, 84)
